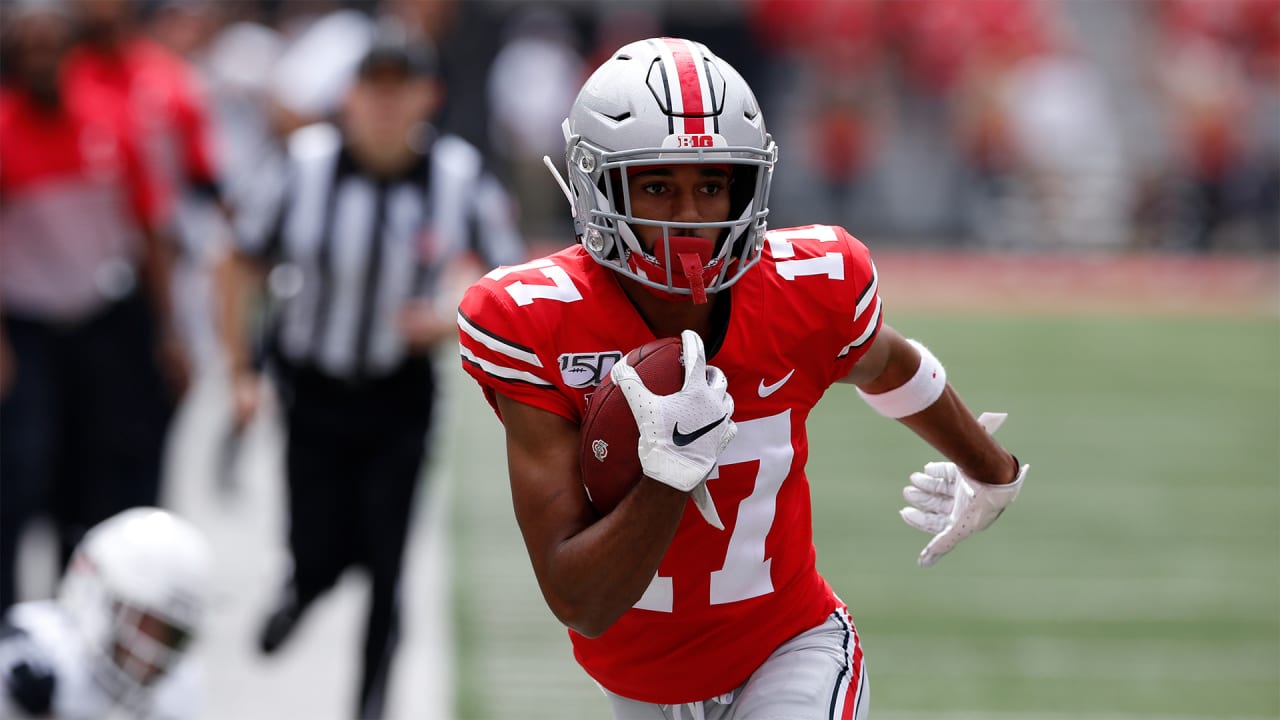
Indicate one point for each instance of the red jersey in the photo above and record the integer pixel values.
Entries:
(73, 198)
(160, 100)
(547, 332)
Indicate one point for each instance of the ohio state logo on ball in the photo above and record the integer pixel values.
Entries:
(600, 449)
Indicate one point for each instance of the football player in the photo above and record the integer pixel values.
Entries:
(669, 166)
(113, 643)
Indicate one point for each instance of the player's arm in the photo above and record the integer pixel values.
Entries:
(947, 424)
(239, 279)
(901, 379)
(591, 570)
(152, 211)
(240, 273)
(194, 126)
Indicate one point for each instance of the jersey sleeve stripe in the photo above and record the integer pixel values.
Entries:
(868, 292)
(500, 372)
(495, 343)
(867, 334)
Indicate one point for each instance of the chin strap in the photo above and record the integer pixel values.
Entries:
(692, 268)
(578, 224)
(692, 255)
(564, 186)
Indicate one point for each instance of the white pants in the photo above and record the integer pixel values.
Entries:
(816, 675)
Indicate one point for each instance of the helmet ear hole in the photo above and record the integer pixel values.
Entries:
(614, 191)
(742, 189)
(611, 186)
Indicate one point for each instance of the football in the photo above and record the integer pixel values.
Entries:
(609, 459)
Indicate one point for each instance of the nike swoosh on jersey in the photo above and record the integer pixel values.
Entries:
(682, 439)
(767, 390)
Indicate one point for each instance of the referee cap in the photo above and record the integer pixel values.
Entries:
(408, 58)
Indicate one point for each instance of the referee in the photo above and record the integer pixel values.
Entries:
(353, 242)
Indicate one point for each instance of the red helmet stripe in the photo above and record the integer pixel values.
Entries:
(690, 84)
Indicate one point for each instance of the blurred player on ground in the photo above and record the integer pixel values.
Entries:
(113, 643)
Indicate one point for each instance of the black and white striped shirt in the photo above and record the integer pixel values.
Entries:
(350, 250)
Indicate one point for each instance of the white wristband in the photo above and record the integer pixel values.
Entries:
(922, 390)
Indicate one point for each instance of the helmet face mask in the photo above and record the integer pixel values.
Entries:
(667, 102)
(145, 646)
(136, 588)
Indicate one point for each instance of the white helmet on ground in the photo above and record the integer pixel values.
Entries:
(137, 586)
(667, 101)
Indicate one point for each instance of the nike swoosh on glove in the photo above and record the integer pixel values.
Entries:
(682, 434)
(951, 506)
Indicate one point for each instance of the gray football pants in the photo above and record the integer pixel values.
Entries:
(816, 675)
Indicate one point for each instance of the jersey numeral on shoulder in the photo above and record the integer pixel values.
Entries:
(782, 247)
(561, 288)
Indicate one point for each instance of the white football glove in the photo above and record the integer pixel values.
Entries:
(682, 434)
(951, 506)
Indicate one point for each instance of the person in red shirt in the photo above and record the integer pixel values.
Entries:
(719, 611)
(1216, 70)
(89, 360)
(158, 97)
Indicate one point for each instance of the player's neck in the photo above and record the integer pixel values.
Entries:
(667, 318)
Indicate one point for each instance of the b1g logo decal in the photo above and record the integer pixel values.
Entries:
(694, 140)
(580, 370)
(698, 141)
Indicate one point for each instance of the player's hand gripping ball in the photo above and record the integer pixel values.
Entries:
(608, 456)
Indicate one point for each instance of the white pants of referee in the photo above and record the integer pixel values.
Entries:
(816, 675)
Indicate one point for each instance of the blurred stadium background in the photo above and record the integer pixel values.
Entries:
(1077, 202)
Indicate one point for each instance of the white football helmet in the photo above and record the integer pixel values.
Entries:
(137, 586)
(667, 101)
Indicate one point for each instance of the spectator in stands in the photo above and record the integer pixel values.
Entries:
(836, 51)
(531, 84)
(1218, 64)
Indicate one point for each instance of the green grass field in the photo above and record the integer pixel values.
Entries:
(1137, 576)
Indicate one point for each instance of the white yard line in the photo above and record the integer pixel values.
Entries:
(423, 684)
